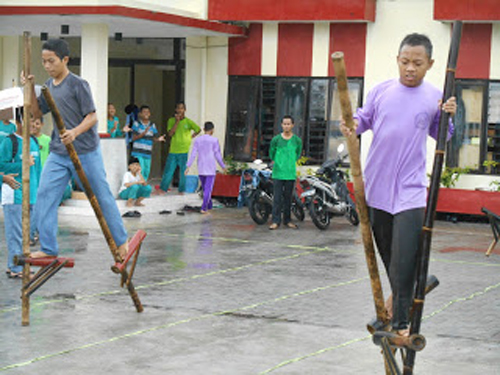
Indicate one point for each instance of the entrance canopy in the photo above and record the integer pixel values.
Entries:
(130, 22)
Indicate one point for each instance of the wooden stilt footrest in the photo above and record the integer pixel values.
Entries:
(42, 262)
(49, 267)
(134, 247)
(414, 342)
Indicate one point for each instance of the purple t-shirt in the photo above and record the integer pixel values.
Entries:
(401, 118)
(207, 149)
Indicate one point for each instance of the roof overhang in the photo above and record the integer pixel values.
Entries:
(131, 22)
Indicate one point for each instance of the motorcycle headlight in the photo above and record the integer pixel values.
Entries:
(308, 193)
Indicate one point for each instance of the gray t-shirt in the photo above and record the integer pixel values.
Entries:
(74, 101)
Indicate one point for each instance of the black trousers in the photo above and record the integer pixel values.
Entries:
(397, 238)
(282, 200)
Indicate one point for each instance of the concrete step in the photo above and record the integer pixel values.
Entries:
(153, 205)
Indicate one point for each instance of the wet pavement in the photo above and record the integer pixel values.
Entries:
(222, 295)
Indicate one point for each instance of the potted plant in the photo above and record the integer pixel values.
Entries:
(461, 201)
(228, 185)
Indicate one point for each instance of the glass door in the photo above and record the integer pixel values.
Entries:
(292, 100)
(241, 132)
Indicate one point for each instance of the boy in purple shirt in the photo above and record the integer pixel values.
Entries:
(207, 149)
(401, 113)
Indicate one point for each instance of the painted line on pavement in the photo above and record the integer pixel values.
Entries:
(314, 250)
(184, 321)
(354, 341)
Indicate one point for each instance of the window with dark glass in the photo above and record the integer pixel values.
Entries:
(256, 106)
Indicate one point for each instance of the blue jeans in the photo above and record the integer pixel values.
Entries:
(13, 233)
(136, 191)
(174, 161)
(56, 174)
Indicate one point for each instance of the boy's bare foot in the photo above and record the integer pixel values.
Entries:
(130, 203)
(139, 203)
(204, 212)
(41, 254)
(122, 251)
(403, 332)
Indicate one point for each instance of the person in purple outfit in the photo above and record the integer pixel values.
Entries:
(207, 149)
(401, 113)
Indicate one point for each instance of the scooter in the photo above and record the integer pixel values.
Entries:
(327, 195)
(259, 189)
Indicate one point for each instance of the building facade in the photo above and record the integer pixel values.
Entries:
(244, 63)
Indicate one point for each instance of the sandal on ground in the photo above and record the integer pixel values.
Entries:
(292, 225)
(15, 275)
(274, 226)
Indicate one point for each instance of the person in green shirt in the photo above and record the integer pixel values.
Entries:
(43, 139)
(181, 131)
(284, 152)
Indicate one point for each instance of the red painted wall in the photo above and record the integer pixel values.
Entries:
(349, 38)
(475, 51)
(245, 54)
(295, 44)
(291, 10)
(467, 10)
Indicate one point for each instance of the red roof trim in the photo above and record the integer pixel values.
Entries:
(125, 12)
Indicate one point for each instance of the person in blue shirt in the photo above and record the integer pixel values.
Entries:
(11, 162)
(144, 134)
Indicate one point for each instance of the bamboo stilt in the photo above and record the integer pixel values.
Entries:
(91, 197)
(426, 237)
(359, 188)
(26, 179)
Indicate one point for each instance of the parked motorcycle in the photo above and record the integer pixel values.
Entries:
(259, 189)
(327, 195)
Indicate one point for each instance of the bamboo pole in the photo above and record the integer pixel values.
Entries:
(359, 188)
(426, 237)
(90, 195)
(25, 300)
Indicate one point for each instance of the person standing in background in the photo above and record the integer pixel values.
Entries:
(284, 151)
(181, 130)
(207, 149)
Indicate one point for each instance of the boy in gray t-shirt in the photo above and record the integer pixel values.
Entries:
(74, 100)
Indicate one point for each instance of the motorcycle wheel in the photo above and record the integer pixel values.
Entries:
(298, 209)
(319, 215)
(352, 214)
(259, 210)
